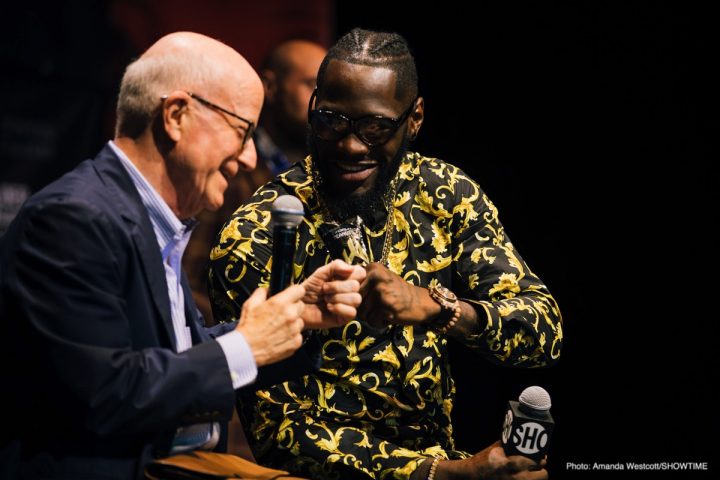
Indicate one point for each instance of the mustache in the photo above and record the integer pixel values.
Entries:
(343, 206)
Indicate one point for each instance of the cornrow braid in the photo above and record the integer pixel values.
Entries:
(375, 49)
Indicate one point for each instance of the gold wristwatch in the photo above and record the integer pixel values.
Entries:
(449, 307)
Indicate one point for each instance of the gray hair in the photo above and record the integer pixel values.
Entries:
(150, 77)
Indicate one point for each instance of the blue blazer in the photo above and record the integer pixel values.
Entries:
(88, 362)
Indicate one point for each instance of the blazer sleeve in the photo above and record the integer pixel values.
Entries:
(67, 282)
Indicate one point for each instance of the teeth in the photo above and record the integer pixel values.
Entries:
(354, 167)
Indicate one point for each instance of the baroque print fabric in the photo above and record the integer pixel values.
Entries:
(381, 401)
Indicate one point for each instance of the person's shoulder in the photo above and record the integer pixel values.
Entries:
(436, 172)
(257, 208)
(300, 181)
(80, 193)
(59, 218)
(427, 164)
(299, 172)
(79, 186)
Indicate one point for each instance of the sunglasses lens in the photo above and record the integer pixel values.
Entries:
(328, 125)
(372, 130)
(375, 130)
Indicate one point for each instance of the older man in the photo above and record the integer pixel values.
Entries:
(106, 362)
(439, 265)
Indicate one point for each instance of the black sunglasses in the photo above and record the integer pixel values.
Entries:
(372, 130)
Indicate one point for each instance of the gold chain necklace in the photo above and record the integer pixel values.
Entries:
(390, 223)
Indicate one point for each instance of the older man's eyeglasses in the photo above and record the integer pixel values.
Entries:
(372, 130)
(244, 132)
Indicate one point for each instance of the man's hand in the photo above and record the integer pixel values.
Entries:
(272, 327)
(332, 295)
(492, 463)
(488, 464)
(387, 298)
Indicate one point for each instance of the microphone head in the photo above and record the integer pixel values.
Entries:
(536, 399)
(287, 211)
(528, 424)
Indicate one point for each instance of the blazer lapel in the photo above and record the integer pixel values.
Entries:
(154, 272)
(132, 210)
(193, 317)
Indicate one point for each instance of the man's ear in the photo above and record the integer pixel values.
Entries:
(269, 81)
(416, 118)
(174, 111)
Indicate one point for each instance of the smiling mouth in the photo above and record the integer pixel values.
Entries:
(355, 167)
(354, 173)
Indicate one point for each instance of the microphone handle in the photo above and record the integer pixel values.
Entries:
(283, 255)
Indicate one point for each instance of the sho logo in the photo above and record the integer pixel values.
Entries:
(529, 437)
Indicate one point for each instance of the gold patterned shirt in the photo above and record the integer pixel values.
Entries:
(382, 399)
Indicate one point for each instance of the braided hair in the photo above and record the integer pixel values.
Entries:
(375, 49)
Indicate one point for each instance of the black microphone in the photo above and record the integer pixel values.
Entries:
(528, 424)
(287, 213)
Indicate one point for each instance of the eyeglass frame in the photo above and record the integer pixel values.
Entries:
(247, 132)
(397, 122)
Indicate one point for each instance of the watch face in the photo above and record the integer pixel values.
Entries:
(449, 306)
(445, 293)
(448, 294)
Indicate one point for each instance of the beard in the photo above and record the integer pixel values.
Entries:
(366, 205)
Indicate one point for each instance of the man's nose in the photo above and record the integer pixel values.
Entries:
(248, 156)
(352, 145)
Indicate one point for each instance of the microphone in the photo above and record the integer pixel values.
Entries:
(287, 213)
(528, 424)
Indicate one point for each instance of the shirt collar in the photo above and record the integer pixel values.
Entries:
(169, 229)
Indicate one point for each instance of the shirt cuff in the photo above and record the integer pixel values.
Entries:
(241, 362)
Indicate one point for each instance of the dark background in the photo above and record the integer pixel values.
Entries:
(587, 124)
